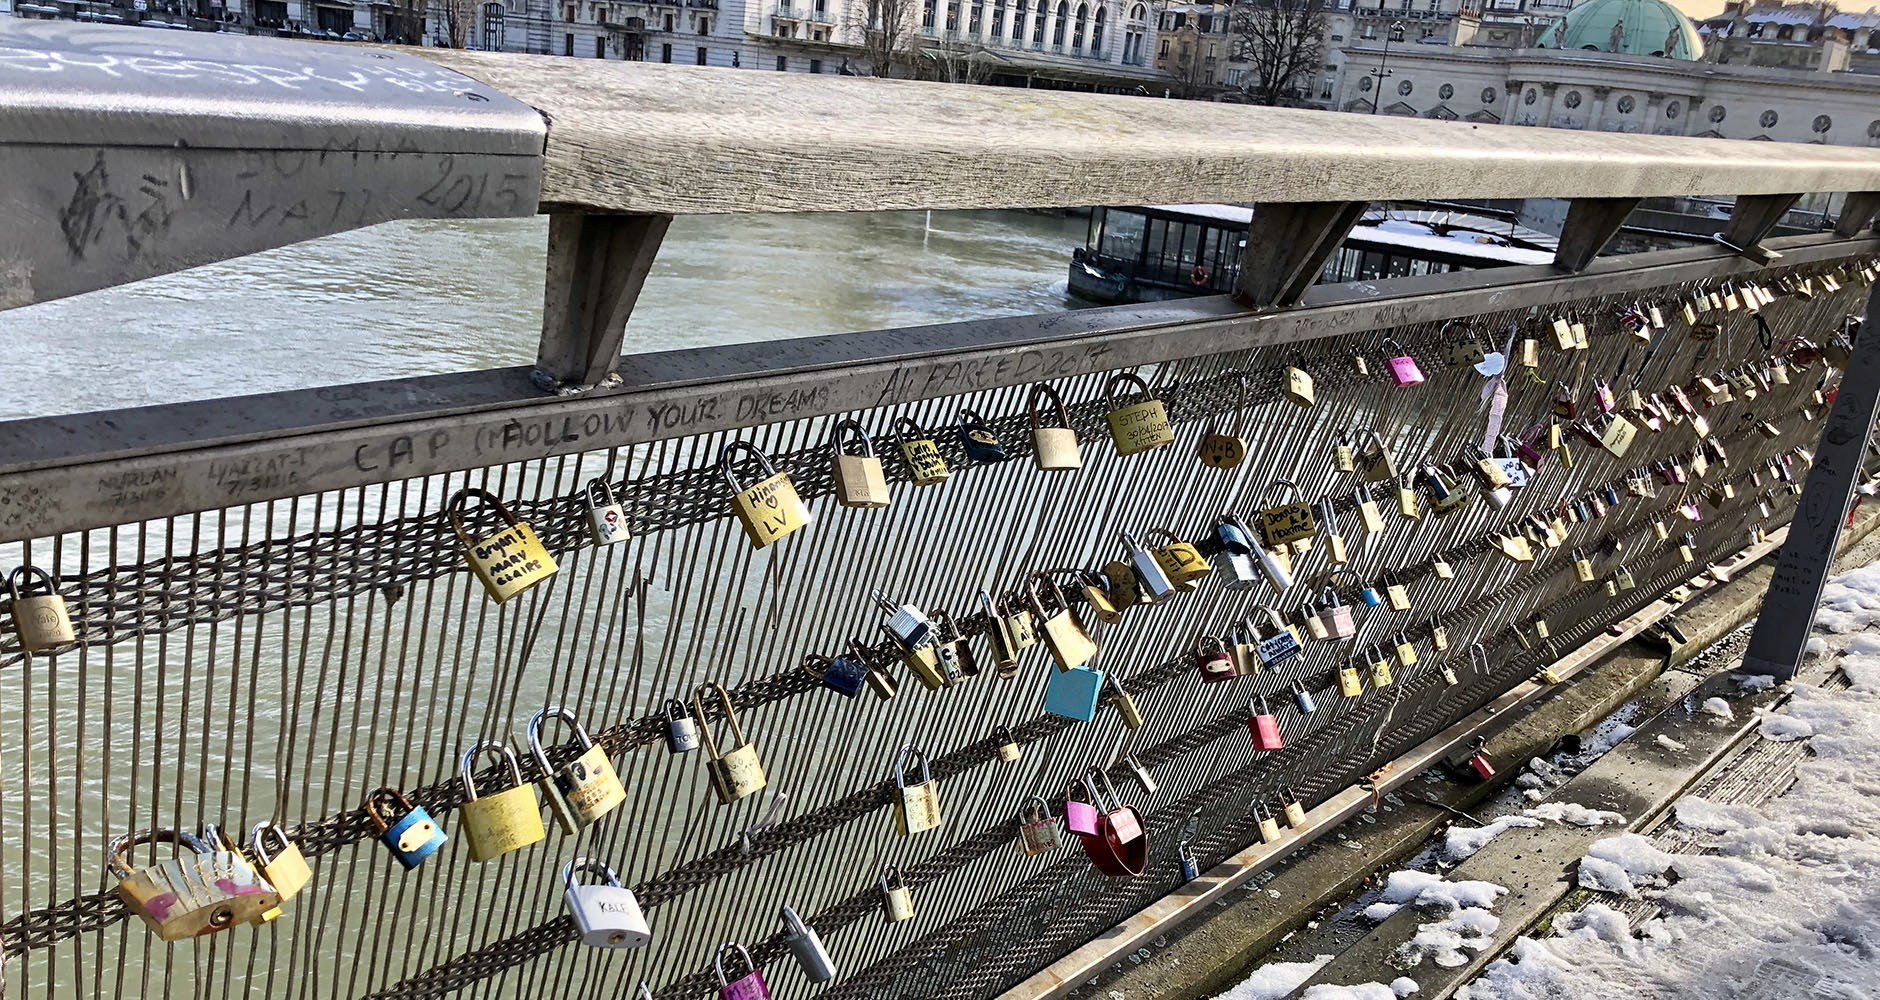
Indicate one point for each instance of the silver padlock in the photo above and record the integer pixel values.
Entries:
(1148, 570)
(1143, 777)
(907, 623)
(681, 728)
(896, 901)
(1191, 865)
(607, 915)
(916, 805)
(607, 522)
(807, 947)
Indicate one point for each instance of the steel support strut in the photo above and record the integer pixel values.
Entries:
(1856, 212)
(1753, 218)
(597, 265)
(1591, 224)
(1788, 612)
(1287, 247)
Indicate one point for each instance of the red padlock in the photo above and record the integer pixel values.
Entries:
(1265, 727)
(1213, 659)
(1478, 759)
(1119, 847)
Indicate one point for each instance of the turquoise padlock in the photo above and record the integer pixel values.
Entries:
(1073, 693)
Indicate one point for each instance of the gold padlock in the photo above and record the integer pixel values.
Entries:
(916, 806)
(1053, 449)
(1225, 451)
(1016, 617)
(1120, 700)
(736, 772)
(1368, 515)
(1004, 654)
(1294, 809)
(38, 609)
(896, 901)
(1097, 597)
(1379, 662)
(1350, 684)
(1439, 638)
(508, 562)
(860, 479)
(509, 820)
(283, 866)
(584, 790)
(1286, 522)
(1374, 460)
(204, 891)
(1137, 427)
(1070, 645)
(925, 466)
(768, 509)
(1299, 383)
(1181, 562)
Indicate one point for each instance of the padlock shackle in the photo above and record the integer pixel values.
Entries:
(718, 963)
(970, 419)
(1116, 801)
(908, 429)
(793, 926)
(817, 665)
(604, 498)
(900, 765)
(20, 582)
(258, 843)
(1287, 484)
(592, 865)
(1031, 405)
(566, 715)
(731, 716)
(1477, 647)
(1109, 387)
(115, 854)
(1037, 595)
(891, 877)
(377, 795)
(745, 447)
(470, 756)
(675, 710)
(1026, 812)
(855, 429)
(459, 504)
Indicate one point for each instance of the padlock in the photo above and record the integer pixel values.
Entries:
(1616, 437)
(1006, 744)
(897, 900)
(1275, 643)
(607, 521)
(1485, 468)
(1403, 367)
(1407, 500)
(1053, 449)
(681, 728)
(1344, 456)
(1237, 562)
(1225, 451)
(1213, 660)
(1081, 817)
(1441, 568)
(1336, 550)
(411, 837)
(1303, 699)
(1191, 866)
(584, 789)
(1478, 659)
(1181, 562)
(1406, 650)
(1687, 547)
(1368, 594)
(1336, 615)
(1264, 726)
(1148, 569)
(1522, 636)
(208, 889)
(1286, 522)
(768, 509)
(1119, 848)
(1514, 547)
(1004, 654)
(1309, 615)
(736, 772)
(1140, 426)
(916, 806)
(1037, 828)
(1374, 460)
(907, 624)
(509, 820)
(1360, 366)
(1449, 674)
(607, 914)
(1140, 772)
(1478, 759)
(1548, 675)
(860, 480)
(283, 866)
(957, 661)
(1563, 404)
(1350, 683)
(38, 609)
(1119, 699)
(1439, 638)
(1396, 593)
(1097, 597)
(1541, 629)
(807, 946)
(1368, 515)
(1378, 662)
(980, 442)
(1265, 821)
(843, 674)
(1074, 693)
(750, 986)
(925, 466)
(1562, 329)
(1299, 387)
(1530, 352)
(507, 562)
(1015, 612)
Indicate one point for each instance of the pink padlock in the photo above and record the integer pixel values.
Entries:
(1265, 727)
(749, 987)
(1403, 367)
(1079, 816)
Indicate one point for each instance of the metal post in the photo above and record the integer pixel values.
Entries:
(1788, 611)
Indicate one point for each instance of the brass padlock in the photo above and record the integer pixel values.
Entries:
(957, 660)
(1439, 638)
(583, 790)
(1287, 522)
(1337, 550)
(509, 820)
(1379, 663)
(1350, 684)
(1053, 449)
(1374, 460)
(1004, 654)
(896, 901)
(1064, 635)
(1562, 329)
(1368, 515)
(283, 866)
(1344, 456)
(1181, 562)
(507, 562)
(1294, 809)
(861, 481)
(1097, 597)
(1120, 700)
(38, 609)
(736, 772)
(768, 509)
(916, 806)
(1016, 615)
(1007, 745)
(207, 890)
(1299, 383)
(1225, 451)
(1140, 426)
(925, 466)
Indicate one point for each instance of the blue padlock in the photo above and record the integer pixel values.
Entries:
(411, 838)
(1191, 866)
(1303, 698)
(981, 442)
(1073, 693)
(1369, 595)
(844, 674)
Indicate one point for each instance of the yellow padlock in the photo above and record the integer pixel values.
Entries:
(769, 509)
(1287, 522)
(508, 562)
(922, 452)
(206, 890)
(283, 866)
(1225, 451)
(1140, 426)
(509, 820)
(860, 479)
(584, 789)
(1181, 562)
(1053, 449)
(916, 806)
(1070, 645)
(38, 609)
(736, 772)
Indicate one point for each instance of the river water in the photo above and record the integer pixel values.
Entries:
(430, 297)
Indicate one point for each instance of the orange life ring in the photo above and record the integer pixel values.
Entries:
(1198, 276)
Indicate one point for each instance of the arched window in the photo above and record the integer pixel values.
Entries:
(998, 19)
(1057, 30)
(493, 27)
(1083, 19)
(1037, 25)
(1018, 22)
(1139, 13)
(1096, 33)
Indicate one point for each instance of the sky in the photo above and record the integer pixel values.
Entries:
(1699, 9)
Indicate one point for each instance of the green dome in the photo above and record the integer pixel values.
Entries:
(1643, 27)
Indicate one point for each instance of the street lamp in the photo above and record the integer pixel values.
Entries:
(1394, 34)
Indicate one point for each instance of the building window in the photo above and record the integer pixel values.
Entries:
(1096, 33)
(782, 31)
(1207, 23)
(567, 45)
(1018, 22)
(1488, 95)
(953, 15)
(783, 64)
(1822, 123)
(927, 14)
(1138, 13)
(1077, 31)
(567, 14)
(668, 22)
(704, 25)
(998, 18)
(600, 48)
(493, 27)
(1212, 50)
(703, 52)
(815, 65)
(975, 19)
(1162, 53)
(1037, 25)
(1768, 118)
(1057, 30)
(665, 53)
(1445, 92)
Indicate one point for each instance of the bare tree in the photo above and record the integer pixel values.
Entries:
(1283, 43)
(886, 30)
(955, 62)
(408, 21)
(459, 15)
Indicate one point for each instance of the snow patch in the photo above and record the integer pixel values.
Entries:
(1362, 991)
(1748, 683)
(1576, 814)
(1445, 941)
(1670, 744)
(1431, 892)
(1700, 813)
(1784, 728)
(1719, 708)
(1274, 980)
(1462, 843)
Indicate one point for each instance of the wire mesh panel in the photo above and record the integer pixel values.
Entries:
(281, 659)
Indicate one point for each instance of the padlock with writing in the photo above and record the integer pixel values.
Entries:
(908, 624)
(1403, 367)
(207, 887)
(978, 438)
(957, 661)
(860, 480)
(807, 946)
(925, 466)
(1213, 660)
(412, 836)
(1441, 568)
(1219, 450)
(1265, 822)
(1299, 387)
(768, 509)
(282, 865)
(1120, 848)
(1336, 615)
(1478, 759)
(681, 728)
(1074, 693)
(1350, 682)
(1015, 612)
(1264, 726)
(844, 675)
(584, 789)
(504, 821)
(1378, 662)
(1148, 569)
(38, 609)
(897, 898)
(737, 772)
(1292, 808)
(1053, 448)
(1137, 426)
(1406, 650)
(1037, 829)
(1181, 561)
(606, 914)
(1368, 515)
(1191, 866)
(1344, 456)
(1283, 523)
(1407, 505)
(607, 520)
(1396, 592)
(1120, 699)
(1308, 614)
(917, 804)
(750, 986)
(508, 562)
(1275, 643)
(1006, 745)
(1439, 638)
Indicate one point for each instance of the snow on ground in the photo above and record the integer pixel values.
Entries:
(1274, 980)
(1576, 814)
(1463, 842)
(1788, 906)
(1719, 708)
